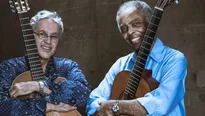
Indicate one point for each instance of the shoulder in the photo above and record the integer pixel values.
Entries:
(174, 58)
(125, 59)
(173, 54)
(64, 62)
(14, 61)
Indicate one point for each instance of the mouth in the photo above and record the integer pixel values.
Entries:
(46, 48)
(136, 40)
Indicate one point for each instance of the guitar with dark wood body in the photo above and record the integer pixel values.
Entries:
(36, 72)
(136, 83)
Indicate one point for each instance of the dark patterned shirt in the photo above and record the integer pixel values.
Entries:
(74, 90)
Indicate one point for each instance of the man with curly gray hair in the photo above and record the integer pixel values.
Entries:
(70, 94)
(168, 67)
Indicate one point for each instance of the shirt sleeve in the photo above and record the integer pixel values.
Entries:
(171, 90)
(16, 107)
(74, 90)
(103, 91)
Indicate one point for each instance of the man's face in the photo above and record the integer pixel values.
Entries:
(133, 27)
(47, 35)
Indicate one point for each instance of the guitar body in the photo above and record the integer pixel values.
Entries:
(26, 76)
(147, 84)
(70, 113)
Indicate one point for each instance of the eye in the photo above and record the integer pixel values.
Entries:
(136, 24)
(42, 33)
(124, 29)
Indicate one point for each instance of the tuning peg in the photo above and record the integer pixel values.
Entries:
(176, 1)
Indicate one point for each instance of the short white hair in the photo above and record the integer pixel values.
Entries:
(130, 6)
(45, 14)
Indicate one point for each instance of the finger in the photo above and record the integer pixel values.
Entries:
(69, 108)
(100, 103)
(16, 94)
(12, 93)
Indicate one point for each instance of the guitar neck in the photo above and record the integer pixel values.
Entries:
(33, 59)
(142, 55)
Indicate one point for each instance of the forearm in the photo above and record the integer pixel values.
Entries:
(70, 92)
(132, 108)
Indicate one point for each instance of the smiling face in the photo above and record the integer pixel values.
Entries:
(46, 47)
(133, 27)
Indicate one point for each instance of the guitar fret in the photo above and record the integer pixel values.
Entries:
(149, 37)
(141, 58)
(25, 18)
(140, 62)
(145, 48)
(130, 86)
(27, 30)
(30, 45)
(128, 93)
(135, 75)
(38, 68)
(151, 30)
(153, 24)
(136, 71)
(37, 76)
(143, 53)
(26, 24)
(28, 40)
(130, 90)
(32, 49)
(139, 67)
(35, 53)
(153, 16)
(132, 76)
(27, 35)
(133, 81)
(147, 43)
(38, 71)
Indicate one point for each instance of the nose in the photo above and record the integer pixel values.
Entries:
(131, 31)
(48, 40)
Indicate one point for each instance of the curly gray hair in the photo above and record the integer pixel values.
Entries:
(130, 6)
(45, 14)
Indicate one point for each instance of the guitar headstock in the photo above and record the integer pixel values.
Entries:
(164, 3)
(19, 6)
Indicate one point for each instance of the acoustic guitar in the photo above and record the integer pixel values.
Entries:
(136, 83)
(21, 7)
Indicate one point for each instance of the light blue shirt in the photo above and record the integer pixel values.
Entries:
(169, 68)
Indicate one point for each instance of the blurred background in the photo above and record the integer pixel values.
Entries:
(92, 39)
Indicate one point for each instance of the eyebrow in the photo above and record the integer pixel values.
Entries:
(137, 19)
(55, 33)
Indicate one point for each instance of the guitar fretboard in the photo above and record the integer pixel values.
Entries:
(31, 49)
(142, 55)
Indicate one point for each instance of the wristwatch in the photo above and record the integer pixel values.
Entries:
(41, 87)
(116, 108)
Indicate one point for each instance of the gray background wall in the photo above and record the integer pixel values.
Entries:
(91, 38)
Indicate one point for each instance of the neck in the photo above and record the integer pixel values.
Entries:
(44, 63)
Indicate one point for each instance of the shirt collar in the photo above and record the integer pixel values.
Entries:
(156, 52)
